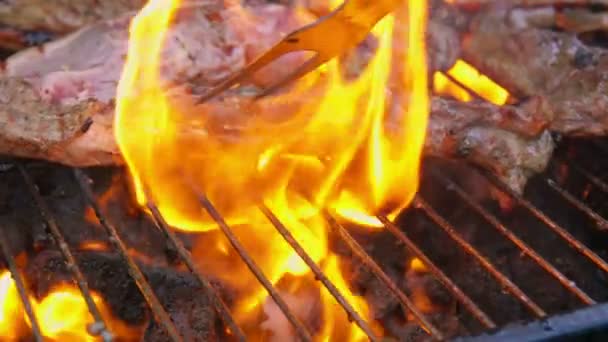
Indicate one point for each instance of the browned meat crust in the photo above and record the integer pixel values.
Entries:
(33, 128)
(572, 76)
(61, 16)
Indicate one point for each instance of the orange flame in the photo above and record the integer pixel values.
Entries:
(335, 152)
(62, 314)
(479, 83)
(10, 308)
(334, 315)
(442, 85)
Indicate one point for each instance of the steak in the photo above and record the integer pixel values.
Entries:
(56, 103)
(61, 16)
(531, 60)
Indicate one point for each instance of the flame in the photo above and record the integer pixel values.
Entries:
(10, 308)
(96, 246)
(478, 83)
(335, 152)
(62, 314)
(442, 85)
(417, 265)
(416, 277)
(333, 315)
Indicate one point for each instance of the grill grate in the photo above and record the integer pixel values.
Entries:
(99, 328)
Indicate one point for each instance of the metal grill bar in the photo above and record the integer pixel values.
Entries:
(601, 222)
(218, 303)
(443, 278)
(380, 274)
(504, 280)
(163, 318)
(319, 275)
(99, 327)
(493, 220)
(600, 184)
(157, 309)
(563, 233)
(253, 267)
(27, 305)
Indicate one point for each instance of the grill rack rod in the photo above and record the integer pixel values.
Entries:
(438, 273)
(524, 247)
(99, 327)
(319, 275)
(160, 314)
(21, 290)
(556, 228)
(253, 267)
(520, 295)
(218, 303)
(601, 222)
(419, 203)
(596, 181)
(356, 248)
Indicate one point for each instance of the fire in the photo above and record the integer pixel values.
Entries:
(10, 308)
(62, 314)
(483, 86)
(334, 153)
(97, 246)
(333, 315)
(442, 85)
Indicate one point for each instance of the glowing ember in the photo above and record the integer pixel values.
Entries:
(479, 83)
(340, 157)
(417, 265)
(62, 314)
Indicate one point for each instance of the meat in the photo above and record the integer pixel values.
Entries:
(32, 128)
(529, 60)
(61, 16)
(75, 79)
(81, 71)
(68, 88)
(510, 141)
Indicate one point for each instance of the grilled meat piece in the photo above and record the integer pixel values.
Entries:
(68, 88)
(61, 16)
(528, 60)
(44, 91)
(510, 141)
(34, 128)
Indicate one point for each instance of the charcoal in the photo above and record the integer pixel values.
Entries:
(186, 302)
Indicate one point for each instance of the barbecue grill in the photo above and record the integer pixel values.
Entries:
(569, 223)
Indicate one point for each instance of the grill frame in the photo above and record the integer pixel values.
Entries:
(531, 331)
(586, 324)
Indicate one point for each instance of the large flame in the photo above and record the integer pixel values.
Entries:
(62, 315)
(335, 153)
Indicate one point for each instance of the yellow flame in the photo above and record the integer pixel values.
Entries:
(479, 83)
(10, 308)
(417, 265)
(442, 85)
(62, 314)
(333, 314)
(333, 152)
